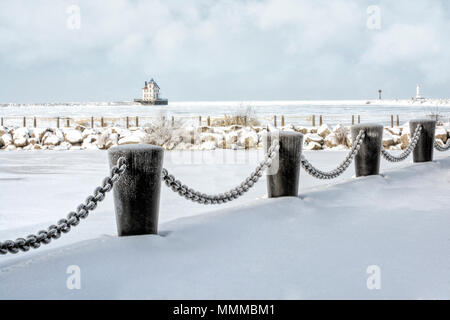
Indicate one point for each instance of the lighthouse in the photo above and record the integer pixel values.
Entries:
(418, 95)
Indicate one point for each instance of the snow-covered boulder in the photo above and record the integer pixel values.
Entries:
(3, 130)
(313, 146)
(50, 139)
(6, 139)
(88, 132)
(301, 129)
(11, 147)
(396, 131)
(248, 139)
(38, 133)
(73, 136)
(313, 137)
(441, 133)
(323, 130)
(20, 137)
(331, 140)
(130, 139)
(388, 139)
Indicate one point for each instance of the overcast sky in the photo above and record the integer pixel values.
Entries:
(222, 50)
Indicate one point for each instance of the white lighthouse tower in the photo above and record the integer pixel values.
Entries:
(418, 95)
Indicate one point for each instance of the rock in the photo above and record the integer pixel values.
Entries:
(64, 146)
(331, 140)
(73, 136)
(397, 131)
(11, 147)
(440, 142)
(323, 130)
(313, 137)
(131, 139)
(59, 134)
(20, 137)
(405, 140)
(36, 146)
(89, 132)
(441, 133)
(38, 133)
(6, 139)
(3, 130)
(313, 146)
(50, 139)
(301, 129)
(388, 139)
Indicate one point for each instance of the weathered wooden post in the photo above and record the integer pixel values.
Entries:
(24, 122)
(102, 122)
(57, 122)
(137, 121)
(208, 121)
(1, 123)
(34, 122)
(137, 193)
(92, 122)
(199, 121)
(68, 122)
(398, 121)
(275, 121)
(367, 160)
(320, 120)
(245, 121)
(353, 119)
(392, 120)
(173, 121)
(314, 120)
(128, 122)
(359, 119)
(423, 151)
(282, 121)
(283, 177)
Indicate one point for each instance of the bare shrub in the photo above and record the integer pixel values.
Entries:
(162, 131)
(341, 134)
(241, 118)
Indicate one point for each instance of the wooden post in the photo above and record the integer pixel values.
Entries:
(57, 122)
(398, 121)
(68, 122)
(102, 122)
(173, 121)
(34, 122)
(283, 176)
(137, 121)
(314, 120)
(423, 151)
(208, 121)
(24, 122)
(392, 120)
(353, 119)
(359, 119)
(199, 121)
(1, 121)
(282, 121)
(92, 122)
(320, 120)
(128, 122)
(137, 193)
(367, 160)
(275, 121)
(245, 121)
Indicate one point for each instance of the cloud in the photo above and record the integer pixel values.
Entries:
(254, 49)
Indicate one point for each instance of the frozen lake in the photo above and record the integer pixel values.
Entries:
(295, 112)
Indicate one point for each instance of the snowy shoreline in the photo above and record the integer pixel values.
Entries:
(193, 138)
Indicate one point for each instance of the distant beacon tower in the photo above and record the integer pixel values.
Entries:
(150, 92)
(379, 94)
(418, 95)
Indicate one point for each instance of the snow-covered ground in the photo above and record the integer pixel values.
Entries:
(316, 246)
(295, 112)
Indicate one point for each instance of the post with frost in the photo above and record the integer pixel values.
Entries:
(423, 151)
(283, 176)
(367, 160)
(137, 193)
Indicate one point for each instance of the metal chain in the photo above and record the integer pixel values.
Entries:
(438, 147)
(234, 193)
(73, 218)
(408, 150)
(319, 174)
